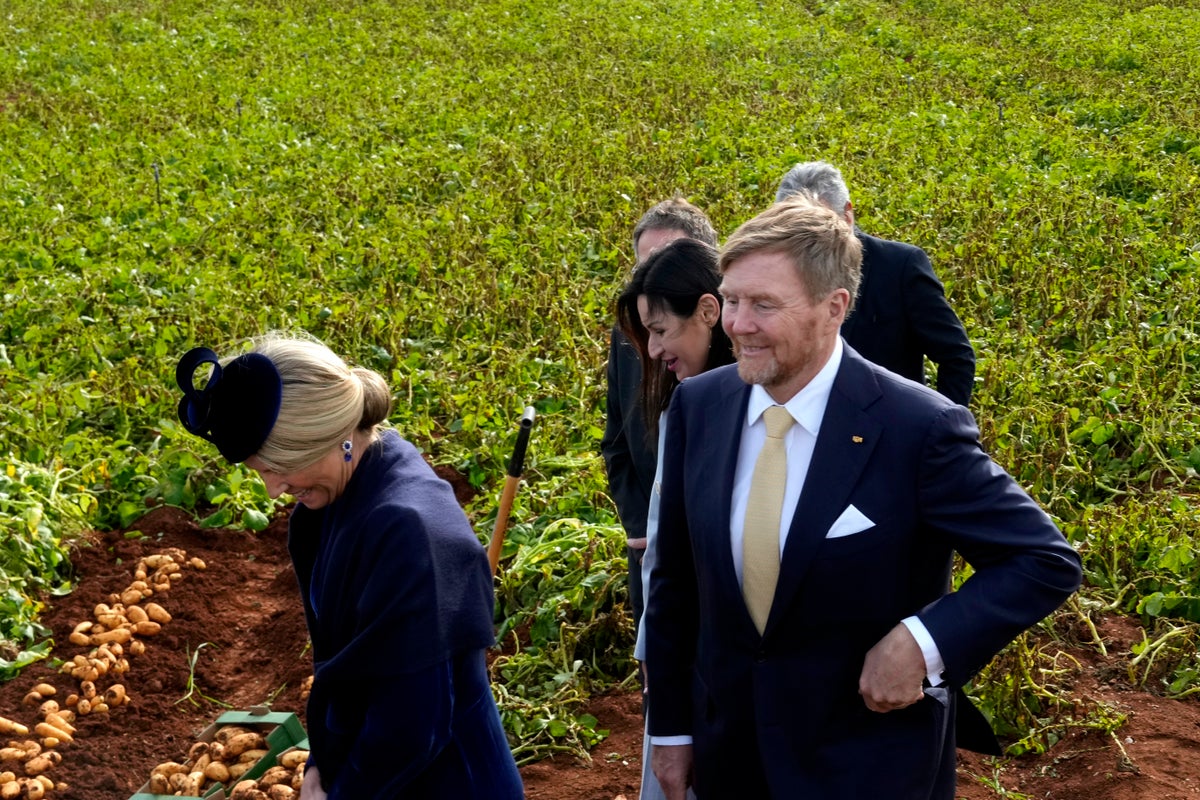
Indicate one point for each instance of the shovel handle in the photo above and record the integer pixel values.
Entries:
(516, 465)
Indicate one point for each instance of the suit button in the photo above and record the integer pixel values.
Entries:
(760, 657)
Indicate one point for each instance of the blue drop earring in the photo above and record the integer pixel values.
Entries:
(347, 450)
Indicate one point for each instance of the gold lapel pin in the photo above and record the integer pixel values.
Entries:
(856, 439)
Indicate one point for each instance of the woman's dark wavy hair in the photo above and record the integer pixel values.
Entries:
(672, 279)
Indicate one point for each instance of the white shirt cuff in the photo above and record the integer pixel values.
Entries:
(670, 741)
(934, 666)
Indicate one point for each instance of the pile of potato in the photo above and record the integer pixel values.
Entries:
(113, 639)
(34, 761)
(280, 782)
(113, 635)
(32, 757)
(233, 751)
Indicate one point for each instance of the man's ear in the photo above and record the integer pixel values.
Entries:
(839, 304)
(709, 309)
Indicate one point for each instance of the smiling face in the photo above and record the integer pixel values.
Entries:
(315, 486)
(680, 343)
(781, 337)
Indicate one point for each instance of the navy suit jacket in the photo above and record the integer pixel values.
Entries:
(780, 713)
(901, 316)
(629, 457)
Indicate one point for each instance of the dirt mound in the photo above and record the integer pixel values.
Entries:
(241, 622)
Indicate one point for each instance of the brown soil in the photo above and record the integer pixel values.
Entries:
(241, 619)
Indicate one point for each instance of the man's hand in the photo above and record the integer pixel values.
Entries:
(893, 672)
(672, 766)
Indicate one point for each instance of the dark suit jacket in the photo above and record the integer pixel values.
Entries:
(779, 715)
(630, 459)
(901, 316)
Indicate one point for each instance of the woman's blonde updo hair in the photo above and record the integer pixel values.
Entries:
(324, 402)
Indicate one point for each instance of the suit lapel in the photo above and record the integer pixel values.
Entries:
(719, 462)
(848, 437)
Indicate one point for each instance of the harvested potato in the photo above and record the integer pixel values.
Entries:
(293, 758)
(38, 764)
(51, 732)
(252, 757)
(227, 732)
(247, 790)
(115, 695)
(61, 720)
(192, 785)
(157, 613)
(240, 743)
(274, 775)
(216, 771)
(147, 628)
(120, 635)
(9, 726)
(281, 791)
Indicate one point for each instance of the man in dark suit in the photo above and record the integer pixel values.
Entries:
(827, 664)
(628, 455)
(901, 314)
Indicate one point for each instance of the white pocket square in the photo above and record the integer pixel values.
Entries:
(851, 521)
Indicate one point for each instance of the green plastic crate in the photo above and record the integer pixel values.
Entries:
(286, 732)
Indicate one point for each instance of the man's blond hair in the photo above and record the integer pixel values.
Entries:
(821, 246)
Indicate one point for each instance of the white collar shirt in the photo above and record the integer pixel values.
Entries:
(807, 408)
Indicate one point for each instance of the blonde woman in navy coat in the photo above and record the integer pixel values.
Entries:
(396, 586)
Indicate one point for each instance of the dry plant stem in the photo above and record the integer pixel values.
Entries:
(1151, 652)
(1078, 609)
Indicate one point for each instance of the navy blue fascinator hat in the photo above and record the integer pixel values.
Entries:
(237, 407)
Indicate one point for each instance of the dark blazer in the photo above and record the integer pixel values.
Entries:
(628, 456)
(901, 316)
(779, 715)
(398, 598)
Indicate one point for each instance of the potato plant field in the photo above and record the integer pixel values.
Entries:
(444, 192)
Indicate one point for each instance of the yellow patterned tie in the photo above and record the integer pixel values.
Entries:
(760, 545)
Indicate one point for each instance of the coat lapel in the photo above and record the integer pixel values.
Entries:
(718, 460)
(848, 437)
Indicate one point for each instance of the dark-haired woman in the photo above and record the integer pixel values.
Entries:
(396, 586)
(671, 313)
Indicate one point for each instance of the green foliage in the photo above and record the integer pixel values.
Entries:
(445, 193)
(565, 630)
(40, 510)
